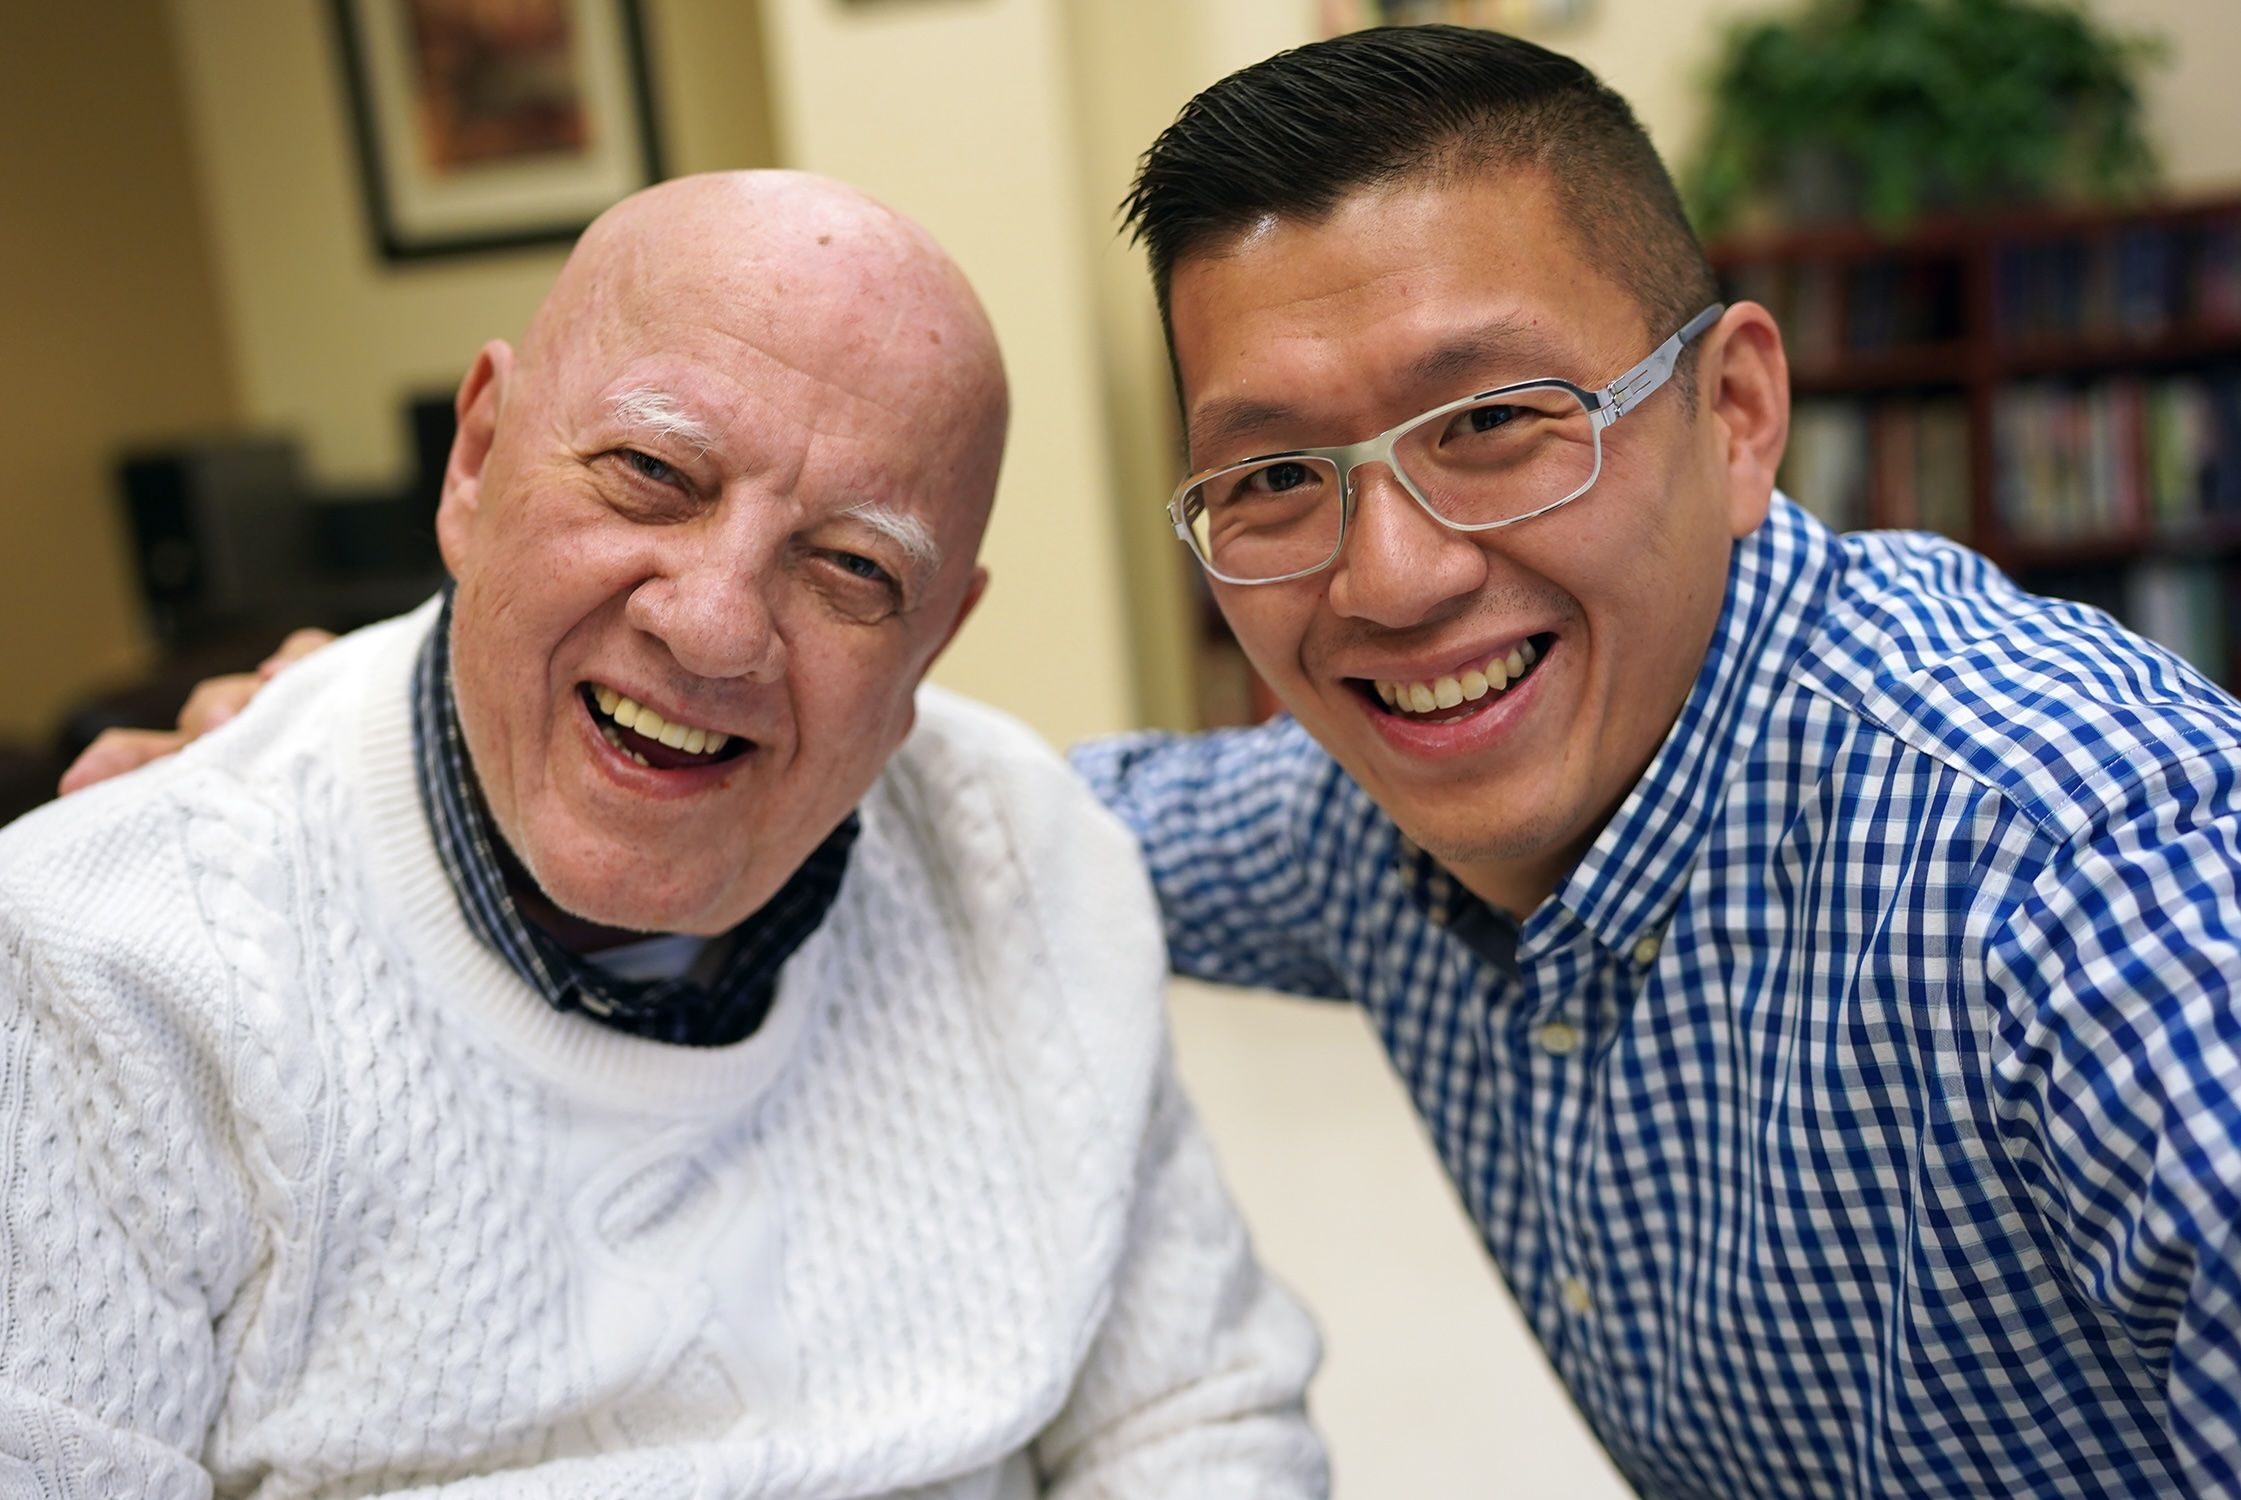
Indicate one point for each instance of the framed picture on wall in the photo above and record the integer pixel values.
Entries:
(494, 124)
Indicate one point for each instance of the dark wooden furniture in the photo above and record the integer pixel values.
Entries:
(2059, 388)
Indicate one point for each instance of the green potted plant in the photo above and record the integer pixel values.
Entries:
(1882, 109)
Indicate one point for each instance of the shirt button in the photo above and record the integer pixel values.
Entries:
(1645, 950)
(1577, 1297)
(1559, 1038)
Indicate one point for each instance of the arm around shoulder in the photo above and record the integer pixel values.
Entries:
(1218, 816)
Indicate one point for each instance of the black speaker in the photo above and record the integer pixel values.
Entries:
(433, 426)
(220, 530)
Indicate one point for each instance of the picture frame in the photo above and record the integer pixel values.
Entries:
(486, 127)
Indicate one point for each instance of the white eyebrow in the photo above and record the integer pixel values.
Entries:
(650, 407)
(908, 532)
(657, 410)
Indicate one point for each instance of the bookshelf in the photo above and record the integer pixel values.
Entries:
(2060, 389)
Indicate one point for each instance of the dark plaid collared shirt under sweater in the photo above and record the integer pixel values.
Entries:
(668, 990)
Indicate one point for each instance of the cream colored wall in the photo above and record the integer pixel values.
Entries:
(959, 116)
(110, 329)
(2192, 109)
(1129, 77)
(1134, 64)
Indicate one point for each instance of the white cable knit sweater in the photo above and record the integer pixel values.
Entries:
(303, 1193)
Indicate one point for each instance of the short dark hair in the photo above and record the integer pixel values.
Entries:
(1294, 135)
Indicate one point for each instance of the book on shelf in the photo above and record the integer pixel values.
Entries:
(2121, 456)
(2179, 433)
(2186, 606)
(1897, 463)
(2143, 280)
(1945, 481)
(2217, 272)
(1805, 299)
(2135, 281)
(1893, 304)
(2220, 485)
(1826, 466)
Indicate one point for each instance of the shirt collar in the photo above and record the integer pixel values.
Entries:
(1626, 886)
(726, 1009)
(1452, 906)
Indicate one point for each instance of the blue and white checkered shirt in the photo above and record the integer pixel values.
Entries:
(1863, 1115)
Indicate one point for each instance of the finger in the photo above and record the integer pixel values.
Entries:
(215, 700)
(116, 751)
(300, 644)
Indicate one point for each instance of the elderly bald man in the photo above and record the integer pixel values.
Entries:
(581, 1038)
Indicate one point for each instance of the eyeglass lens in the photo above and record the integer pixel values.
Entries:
(1492, 460)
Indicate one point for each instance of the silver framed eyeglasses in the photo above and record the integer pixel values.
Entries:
(1489, 460)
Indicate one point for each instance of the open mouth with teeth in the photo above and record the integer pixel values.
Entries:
(652, 741)
(1442, 698)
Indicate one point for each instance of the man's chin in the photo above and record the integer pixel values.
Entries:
(1514, 863)
(586, 910)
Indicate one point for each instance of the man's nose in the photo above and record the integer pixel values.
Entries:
(1400, 565)
(713, 606)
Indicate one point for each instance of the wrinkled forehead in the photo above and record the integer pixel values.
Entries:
(841, 292)
(815, 307)
(750, 342)
(1449, 280)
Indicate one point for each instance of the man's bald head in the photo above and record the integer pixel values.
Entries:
(795, 262)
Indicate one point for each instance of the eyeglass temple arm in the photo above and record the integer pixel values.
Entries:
(1623, 394)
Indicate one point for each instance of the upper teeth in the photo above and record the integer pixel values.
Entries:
(631, 714)
(1495, 674)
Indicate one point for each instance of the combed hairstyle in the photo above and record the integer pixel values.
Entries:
(1293, 136)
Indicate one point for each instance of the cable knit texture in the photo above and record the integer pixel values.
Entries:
(306, 1194)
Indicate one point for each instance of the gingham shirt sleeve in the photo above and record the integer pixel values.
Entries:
(2117, 1067)
(1218, 816)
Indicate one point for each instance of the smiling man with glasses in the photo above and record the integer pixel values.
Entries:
(1814, 960)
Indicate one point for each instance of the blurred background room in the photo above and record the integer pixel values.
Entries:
(247, 248)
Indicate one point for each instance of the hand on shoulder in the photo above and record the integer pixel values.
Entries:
(213, 701)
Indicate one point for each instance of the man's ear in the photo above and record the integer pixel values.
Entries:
(476, 407)
(976, 586)
(1745, 378)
